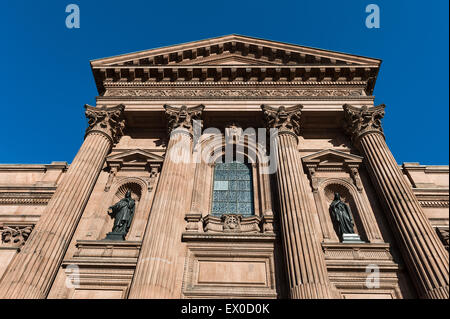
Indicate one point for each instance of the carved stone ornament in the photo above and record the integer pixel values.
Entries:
(183, 117)
(330, 160)
(107, 120)
(232, 93)
(359, 121)
(233, 129)
(285, 119)
(15, 236)
(443, 235)
(231, 222)
(192, 221)
(268, 222)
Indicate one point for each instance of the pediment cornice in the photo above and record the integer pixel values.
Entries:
(235, 58)
(136, 157)
(330, 160)
(260, 49)
(330, 157)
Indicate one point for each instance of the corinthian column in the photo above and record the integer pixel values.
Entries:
(158, 270)
(32, 271)
(424, 255)
(305, 261)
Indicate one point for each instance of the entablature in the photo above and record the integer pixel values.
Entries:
(108, 76)
(234, 58)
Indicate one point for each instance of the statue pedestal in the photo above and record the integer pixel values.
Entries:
(115, 236)
(351, 238)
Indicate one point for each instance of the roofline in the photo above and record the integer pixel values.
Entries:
(308, 47)
(231, 36)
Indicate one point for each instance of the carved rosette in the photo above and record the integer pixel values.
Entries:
(285, 119)
(360, 121)
(109, 121)
(183, 117)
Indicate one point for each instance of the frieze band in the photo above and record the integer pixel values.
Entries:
(232, 93)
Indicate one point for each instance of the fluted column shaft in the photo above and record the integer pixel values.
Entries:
(157, 269)
(425, 257)
(305, 261)
(307, 272)
(32, 271)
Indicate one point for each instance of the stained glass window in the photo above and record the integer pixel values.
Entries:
(233, 189)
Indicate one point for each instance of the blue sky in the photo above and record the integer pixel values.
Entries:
(46, 77)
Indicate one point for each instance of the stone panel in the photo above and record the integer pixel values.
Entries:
(97, 294)
(220, 270)
(223, 272)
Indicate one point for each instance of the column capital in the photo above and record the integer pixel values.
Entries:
(360, 121)
(183, 117)
(285, 119)
(109, 121)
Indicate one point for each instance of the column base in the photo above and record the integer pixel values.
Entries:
(437, 293)
(315, 291)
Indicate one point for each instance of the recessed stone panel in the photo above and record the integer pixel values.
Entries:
(220, 270)
(232, 272)
(97, 294)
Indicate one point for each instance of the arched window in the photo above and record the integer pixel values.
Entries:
(233, 189)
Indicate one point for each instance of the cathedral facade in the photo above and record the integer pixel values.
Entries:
(231, 167)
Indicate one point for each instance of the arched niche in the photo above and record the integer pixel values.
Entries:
(133, 186)
(348, 196)
(140, 193)
(332, 167)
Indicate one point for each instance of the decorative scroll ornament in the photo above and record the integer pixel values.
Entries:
(183, 117)
(359, 121)
(15, 236)
(285, 119)
(107, 120)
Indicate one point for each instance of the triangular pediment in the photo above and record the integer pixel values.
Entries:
(137, 156)
(331, 157)
(235, 50)
(238, 59)
(227, 59)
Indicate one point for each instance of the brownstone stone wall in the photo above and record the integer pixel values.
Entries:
(176, 247)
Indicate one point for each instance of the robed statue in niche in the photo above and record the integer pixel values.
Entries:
(122, 212)
(341, 216)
